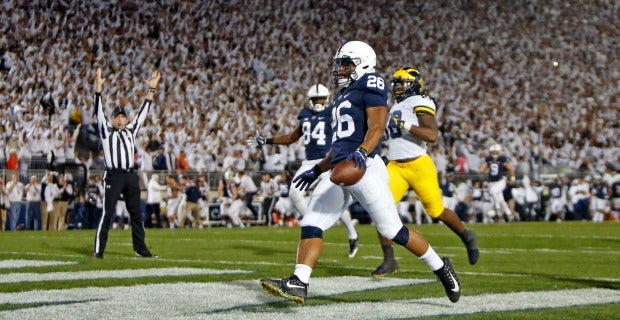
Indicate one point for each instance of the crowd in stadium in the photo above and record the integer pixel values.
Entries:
(234, 68)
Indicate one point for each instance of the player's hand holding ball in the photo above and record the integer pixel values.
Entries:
(351, 170)
(359, 157)
(305, 180)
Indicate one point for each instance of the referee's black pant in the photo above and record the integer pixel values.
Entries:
(115, 182)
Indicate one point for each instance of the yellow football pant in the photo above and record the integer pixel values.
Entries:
(421, 176)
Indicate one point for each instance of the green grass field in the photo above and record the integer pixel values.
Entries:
(225, 265)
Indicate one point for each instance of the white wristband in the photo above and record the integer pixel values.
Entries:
(407, 126)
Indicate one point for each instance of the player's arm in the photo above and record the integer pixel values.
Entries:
(377, 117)
(427, 130)
(286, 139)
(511, 170)
(326, 163)
(484, 167)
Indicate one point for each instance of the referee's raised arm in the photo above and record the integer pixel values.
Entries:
(136, 123)
(99, 113)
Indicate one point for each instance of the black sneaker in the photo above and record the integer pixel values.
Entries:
(145, 254)
(384, 268)
(98, 255)
(471, 243)
(290, 288)
(354, 246)
(450, 281)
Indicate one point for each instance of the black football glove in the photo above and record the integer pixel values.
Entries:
(307, 178)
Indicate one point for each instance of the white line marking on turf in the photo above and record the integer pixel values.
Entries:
(15, 263)
(105, 274)
(246, 300)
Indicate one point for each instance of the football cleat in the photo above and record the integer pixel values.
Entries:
(354, 246)
(98, 255)
(290, 288)
(471, 243)
(384, 268)
(450, 281)
(145, 254)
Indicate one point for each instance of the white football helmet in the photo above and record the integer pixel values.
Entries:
(495, 150)
(318, 91)
(353, 53)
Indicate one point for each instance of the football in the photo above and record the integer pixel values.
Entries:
(345, 173)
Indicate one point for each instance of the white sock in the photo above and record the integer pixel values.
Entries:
(346, 221)
(303, 272)
(432, 259)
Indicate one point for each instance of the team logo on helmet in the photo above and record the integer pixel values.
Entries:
(406, 82)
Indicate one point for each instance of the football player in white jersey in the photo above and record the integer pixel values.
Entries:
(410, 127)
(315, 131)
(359, 114)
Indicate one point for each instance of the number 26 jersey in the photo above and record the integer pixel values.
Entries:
(349, 120)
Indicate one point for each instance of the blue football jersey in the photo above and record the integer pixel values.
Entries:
(448, 189)
(316, 132)
(496, 167)
(349, 121)
(600, 190)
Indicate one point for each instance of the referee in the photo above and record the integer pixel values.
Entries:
(118, 138)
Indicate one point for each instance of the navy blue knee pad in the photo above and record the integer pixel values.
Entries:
(402, 237)
(309, 232)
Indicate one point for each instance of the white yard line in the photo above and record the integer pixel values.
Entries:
(10, 264)
(113, 274)
(246, 300)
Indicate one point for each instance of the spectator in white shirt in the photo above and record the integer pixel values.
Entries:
(268, 191)
(247, 189)
(229, 160)
(153, 200)
(579, 193)
(15, 191)
(239, 163)
(531, 198)
(33, 204)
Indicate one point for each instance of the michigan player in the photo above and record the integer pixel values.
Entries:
(411, 126)
(496, 165)
(359, 114)
(314, 127)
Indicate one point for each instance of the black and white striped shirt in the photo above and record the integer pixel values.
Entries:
(118, 145)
